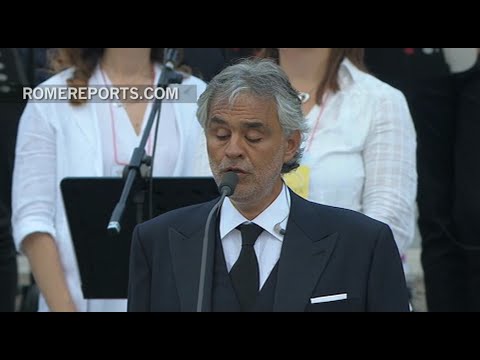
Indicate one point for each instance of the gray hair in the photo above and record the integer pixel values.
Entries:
(264, 79)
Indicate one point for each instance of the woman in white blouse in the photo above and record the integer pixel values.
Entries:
(361, 150)
(87, 138)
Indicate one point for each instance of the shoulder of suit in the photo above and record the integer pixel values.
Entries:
(178, 217)
(348, 219)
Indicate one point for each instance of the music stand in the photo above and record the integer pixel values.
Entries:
(103, 260)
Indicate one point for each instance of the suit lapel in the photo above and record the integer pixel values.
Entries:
(307, 246)
(186, 251)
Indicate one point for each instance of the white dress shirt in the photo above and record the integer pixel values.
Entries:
(363, 153)
(268, 245)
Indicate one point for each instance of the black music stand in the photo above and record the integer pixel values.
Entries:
(102, 259)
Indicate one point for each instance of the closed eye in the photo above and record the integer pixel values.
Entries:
(254, 140)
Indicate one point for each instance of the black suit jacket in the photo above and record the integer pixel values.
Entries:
(326, 251)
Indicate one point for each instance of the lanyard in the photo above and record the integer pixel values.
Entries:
(317, 123)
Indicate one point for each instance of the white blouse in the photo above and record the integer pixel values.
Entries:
(362, 152)
(119, 138)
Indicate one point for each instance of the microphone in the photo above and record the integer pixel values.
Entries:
(278, 228)
(170, 59)
(228, 184)
(227, 188)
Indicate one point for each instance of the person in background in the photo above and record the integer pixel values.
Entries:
(87, 138)
(360, 153)
(442, 87)
(11, 108)
(18, 67)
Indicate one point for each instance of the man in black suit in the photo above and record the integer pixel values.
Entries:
(273, 250)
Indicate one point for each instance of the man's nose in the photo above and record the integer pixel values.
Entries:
(234, 147)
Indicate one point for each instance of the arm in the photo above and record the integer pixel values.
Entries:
(34, 205)
(139, 276)
(390, 168)
(387, 288)
(42, 253)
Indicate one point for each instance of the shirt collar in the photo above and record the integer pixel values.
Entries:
(277, 212)
(348, 73)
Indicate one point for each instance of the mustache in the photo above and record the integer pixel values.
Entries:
(233, 166)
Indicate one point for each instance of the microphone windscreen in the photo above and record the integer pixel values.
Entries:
(228, 184)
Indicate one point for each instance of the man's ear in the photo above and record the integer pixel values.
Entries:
(293, 143)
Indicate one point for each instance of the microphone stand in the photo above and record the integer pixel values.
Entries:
(139, 156)
(226, 188)
(203, 265)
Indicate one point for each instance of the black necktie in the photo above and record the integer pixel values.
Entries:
(244, 273)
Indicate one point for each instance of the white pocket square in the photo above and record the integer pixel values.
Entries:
(329, 298)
